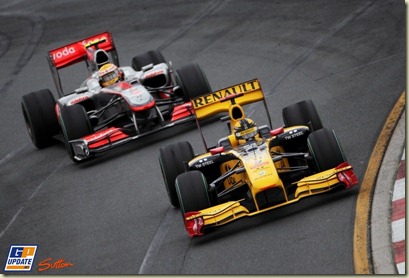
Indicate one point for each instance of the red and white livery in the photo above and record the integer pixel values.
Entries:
(148, 97)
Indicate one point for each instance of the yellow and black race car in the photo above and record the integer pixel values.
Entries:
(254, 169)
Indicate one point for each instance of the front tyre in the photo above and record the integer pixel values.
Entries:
(40, 118)
(325, 149)
(172, 160)
(75, 124)
(192, 190)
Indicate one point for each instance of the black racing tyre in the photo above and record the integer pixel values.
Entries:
(75, 124)
(40, 117)
(192, 190)
(302, 113)
(151, 57)
(171, 160)
(193, 81)
(325, 149)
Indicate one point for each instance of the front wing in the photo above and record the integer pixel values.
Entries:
(221, 214)
(109, 138)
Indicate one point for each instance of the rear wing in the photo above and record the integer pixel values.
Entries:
(76, 52)
(79, 51)
(221, 100)
(225, 99)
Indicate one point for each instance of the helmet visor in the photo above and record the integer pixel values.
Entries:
(247, 133)
(110, 78)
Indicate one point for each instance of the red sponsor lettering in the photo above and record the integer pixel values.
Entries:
(77, 100)
(152, 74)
(47, 264)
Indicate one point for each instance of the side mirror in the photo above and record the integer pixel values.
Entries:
(81, 90)
(147, 67)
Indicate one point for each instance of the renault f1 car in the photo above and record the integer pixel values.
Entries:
(253, 169)
(150, 97)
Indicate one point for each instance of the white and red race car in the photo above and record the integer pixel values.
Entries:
(92, 119)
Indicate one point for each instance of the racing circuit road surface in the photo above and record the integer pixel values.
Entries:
(111, 215)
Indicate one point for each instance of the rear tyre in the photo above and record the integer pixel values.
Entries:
(302, 113)
(193, 81)
(151, 57)
(192, 191)
(75, 124)
(171, 160)
(40, 118)
(325, 149)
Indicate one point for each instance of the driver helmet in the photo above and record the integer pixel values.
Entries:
(109, 74)
(245, 129)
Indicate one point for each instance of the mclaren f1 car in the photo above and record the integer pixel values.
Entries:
(254, 168)
(114, 105)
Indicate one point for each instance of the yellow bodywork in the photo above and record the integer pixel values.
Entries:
(262, 174)
(319, 182)
(261, 171)
(232, 210)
